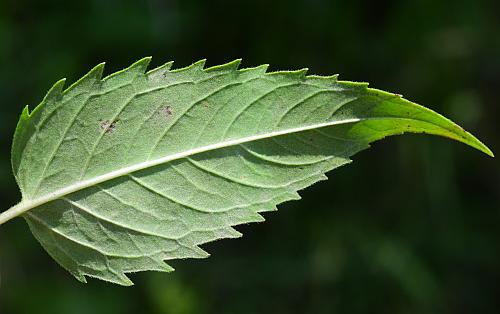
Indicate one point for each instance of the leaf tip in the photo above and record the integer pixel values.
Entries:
(489, 152)
(428, 121)
(477, 144)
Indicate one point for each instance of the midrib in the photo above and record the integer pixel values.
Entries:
(27, 205)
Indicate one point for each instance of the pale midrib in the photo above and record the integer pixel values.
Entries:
(25, 206)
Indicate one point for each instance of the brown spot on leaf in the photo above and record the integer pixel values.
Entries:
(165, 111)
(108, 126)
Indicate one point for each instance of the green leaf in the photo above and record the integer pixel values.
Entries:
(122, 173)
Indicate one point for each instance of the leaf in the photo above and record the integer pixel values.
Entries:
(120, 174)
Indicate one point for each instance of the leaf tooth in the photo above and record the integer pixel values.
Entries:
(114, 277)
(79, 276)
(226, 67)
(295, 196)
(154, 263)
(323, 80)
(232, 233)
(272, 208)
(123, 279)
(55, 91)
(321, 77)
(322, 177)
(140, 66)
(200, 253)
(25, 114)
(226, 232)
(195, 67)
(136, 69)
(260, 218)
(254, 216)
(54, 94)
(161, 70)
(189, 248)
(294, 75)
(254, 72)
(354, 85)
(88, 80)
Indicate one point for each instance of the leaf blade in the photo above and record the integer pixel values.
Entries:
(256, 137)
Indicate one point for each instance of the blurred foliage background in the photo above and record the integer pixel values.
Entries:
(412, 227)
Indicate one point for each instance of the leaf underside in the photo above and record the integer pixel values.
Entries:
(122, 173)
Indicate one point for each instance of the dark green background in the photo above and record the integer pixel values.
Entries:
(413, 226)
